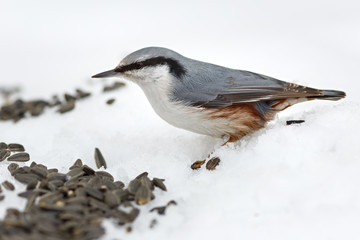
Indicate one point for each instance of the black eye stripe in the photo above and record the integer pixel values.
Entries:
(175, 67)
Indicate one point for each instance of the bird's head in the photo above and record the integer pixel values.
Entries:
(148, 65)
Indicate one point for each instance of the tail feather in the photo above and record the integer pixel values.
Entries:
(333, 95)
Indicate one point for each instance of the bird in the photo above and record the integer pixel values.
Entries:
(210, 99)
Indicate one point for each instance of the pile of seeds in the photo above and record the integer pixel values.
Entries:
(6, 149)
(72, 205)
(18, 109)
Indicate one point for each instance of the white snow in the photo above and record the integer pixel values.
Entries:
(283, 182)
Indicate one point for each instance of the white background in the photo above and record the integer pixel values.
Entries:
(284, 182)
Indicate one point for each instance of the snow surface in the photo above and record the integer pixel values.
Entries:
(283, 182)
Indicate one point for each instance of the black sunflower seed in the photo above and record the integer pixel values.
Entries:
(15, 147)
(159, 183)
(290, 122)
(3, 145)
(4, 153)
(110, 101)
(99, 159)
(143, 195)
(19, 157)
(212, 163)
(8, 185)
(66, 107)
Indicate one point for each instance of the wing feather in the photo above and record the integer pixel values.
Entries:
(224, 87)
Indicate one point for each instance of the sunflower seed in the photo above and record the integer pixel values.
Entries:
(8, 185)
(104, 175)
(31, 185)
(3, 146)
(15, 147)
(39, 171)
(111, 200)
(98, 205)
(56, 176)
(66, 107)
(159, 183)
(27, 194)
(290, 122)
(82, 200)
(4, 153)
(69, 98)
(26, 178)
(88, 170)
(55, 184)
(114, 86)
(110, 101)
(81, 94)
(144, 174)
(19, 170)
(133, 214)
(12, 167)
(77, 164)
(145, 181)
(119, 184)
(19, 157)
(52, 170)
(99, 159)
(143, 195)
(75, 173)
(197, 164)
(133, 186)
(94, 193)
(212, 163)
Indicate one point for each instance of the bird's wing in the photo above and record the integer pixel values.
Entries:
(235, 87)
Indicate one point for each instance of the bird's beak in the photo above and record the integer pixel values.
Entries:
(110, 73)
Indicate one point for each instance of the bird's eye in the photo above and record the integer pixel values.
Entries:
(138, 65)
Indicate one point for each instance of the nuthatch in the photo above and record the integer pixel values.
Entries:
(210, 99)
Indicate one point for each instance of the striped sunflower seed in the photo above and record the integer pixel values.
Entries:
(99, 159)
(19, 157)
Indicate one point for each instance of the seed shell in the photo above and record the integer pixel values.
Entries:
(160, 210)
(197, 164)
